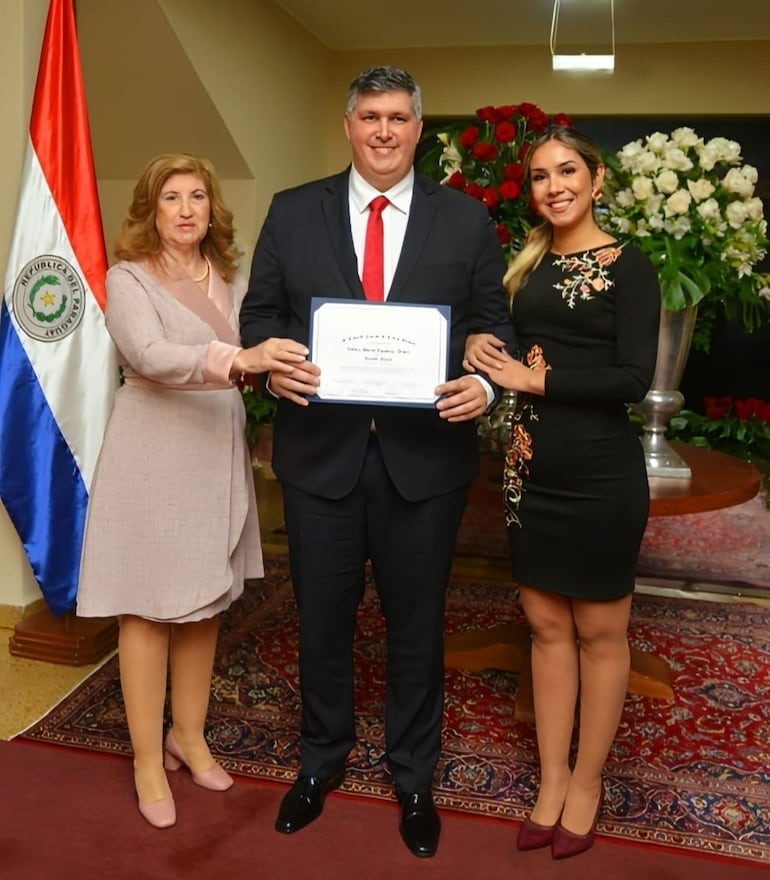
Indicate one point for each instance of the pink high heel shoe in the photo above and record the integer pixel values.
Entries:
(160, 814)
(214, 779)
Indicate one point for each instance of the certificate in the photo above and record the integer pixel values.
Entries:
(390, 354)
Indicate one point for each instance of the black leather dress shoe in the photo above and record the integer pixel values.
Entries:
(420, 824)
(304, 801)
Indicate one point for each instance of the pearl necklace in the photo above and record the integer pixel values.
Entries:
(205, 274)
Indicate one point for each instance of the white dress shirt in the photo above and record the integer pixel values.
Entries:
(394, 219)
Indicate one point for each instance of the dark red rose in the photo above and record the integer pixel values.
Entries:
(523, 150)
(762, 411)
(468, 137)
(514, 171)
(476, 191)
(506, 111)
(505, 132)
(744, 409)
(457, 180)
(484, 152)
(526, 109)
(490, 197)
(486, 114)
(248, 380)
(562, 119)
(538, 121)
(503, 234)
(509, 189)
(716, 408)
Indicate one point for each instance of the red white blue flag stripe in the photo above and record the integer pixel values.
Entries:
(58, 368)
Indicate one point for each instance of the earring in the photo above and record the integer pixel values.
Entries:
(596, 195)
(210, 225)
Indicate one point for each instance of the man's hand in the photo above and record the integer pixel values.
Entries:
(297, 385)
(461, 400)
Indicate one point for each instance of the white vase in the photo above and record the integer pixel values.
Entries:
(664, 400)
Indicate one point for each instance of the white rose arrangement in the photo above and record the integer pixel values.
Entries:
(690, 205)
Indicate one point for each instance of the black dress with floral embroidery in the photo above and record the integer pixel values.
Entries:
(576, 493)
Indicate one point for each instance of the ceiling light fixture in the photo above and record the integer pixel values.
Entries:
(581, 60)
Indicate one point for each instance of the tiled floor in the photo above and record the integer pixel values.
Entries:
(29, 688)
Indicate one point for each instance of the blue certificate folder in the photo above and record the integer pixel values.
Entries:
(379, 353)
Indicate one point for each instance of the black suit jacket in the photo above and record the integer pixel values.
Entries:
(450, 256)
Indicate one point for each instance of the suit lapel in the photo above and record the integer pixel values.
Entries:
(421, 215)
(336, 212)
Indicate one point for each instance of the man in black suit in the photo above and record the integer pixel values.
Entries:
(365, 482)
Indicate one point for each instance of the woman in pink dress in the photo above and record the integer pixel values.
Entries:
(172, 528)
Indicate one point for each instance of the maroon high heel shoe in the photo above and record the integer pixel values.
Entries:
(566, 844)
(215, 778)
(532, 835)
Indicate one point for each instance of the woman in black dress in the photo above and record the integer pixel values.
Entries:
(585, 309)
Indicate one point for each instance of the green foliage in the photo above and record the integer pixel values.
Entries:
(260, 409)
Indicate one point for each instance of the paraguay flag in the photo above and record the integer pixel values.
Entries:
(58, 368)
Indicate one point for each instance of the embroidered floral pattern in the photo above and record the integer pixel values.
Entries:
(519, 450)
(586, 274)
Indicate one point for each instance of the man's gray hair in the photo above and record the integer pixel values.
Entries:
(385, 79)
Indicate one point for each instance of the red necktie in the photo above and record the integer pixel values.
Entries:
(372, 277)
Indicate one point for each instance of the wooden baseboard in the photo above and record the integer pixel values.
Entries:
(68, 640)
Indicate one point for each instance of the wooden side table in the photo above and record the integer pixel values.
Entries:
(717, 481)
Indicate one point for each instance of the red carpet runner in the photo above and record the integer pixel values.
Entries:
(691, 774)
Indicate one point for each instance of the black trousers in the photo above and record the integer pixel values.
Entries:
(410, 545)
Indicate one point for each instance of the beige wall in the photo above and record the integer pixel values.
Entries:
(23, 22)
(241, 82)
(685, 79)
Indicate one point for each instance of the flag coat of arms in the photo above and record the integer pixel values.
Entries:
(58, 366)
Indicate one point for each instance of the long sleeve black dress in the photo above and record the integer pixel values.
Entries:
(575, 484)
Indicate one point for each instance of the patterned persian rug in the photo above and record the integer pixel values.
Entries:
(693, 773)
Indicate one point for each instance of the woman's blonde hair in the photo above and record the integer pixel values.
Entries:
(540, 239)
(139, 239)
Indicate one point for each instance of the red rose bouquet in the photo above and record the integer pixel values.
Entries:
(485, 160)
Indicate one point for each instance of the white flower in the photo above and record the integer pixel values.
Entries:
(755, 209)
(629, 153)
(737, 214)
(667, 182)
(735, 182)
(685, 138)
(642, 188)
(709, 210)
(700, 189)
(647, 162)
(750, 173)
(676, 159)
(657, 142)
(764, 292)
(678, 227)
(625, 198)
(678, 203)
(450, 161)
